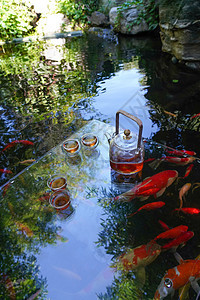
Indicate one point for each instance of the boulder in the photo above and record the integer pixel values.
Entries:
(126, 22)
(98, 19)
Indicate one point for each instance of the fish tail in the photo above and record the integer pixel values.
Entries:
(125, 197)
(177, 256)
(129, 216)
(164, 225)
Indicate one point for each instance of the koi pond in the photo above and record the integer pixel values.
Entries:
(104, 241)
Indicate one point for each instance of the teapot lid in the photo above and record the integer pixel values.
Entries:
(126, 140)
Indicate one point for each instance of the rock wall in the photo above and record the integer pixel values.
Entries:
(180, 29)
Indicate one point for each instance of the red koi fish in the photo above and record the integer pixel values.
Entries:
(149, 160)
(154, 185)
(172, 233)
(5, 188)
(149, 206)
(188, 170)
(189, 210)
(5, 171)
(180, 161)
(13, 143)
(195, 116)
(140, 256)
(183, 191)
(175, 278)
(44, 198)
(180, 152)
(164, 225)
(181, 239)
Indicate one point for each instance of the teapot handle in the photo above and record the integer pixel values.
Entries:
(137, 120)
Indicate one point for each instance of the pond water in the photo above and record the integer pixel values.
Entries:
(48, 91)
(50, 88)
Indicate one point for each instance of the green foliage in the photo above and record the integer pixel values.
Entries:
(147, 11)
(78, 11)
(15, 18)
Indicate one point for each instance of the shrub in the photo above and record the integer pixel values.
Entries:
(15, 18)
(77, 11)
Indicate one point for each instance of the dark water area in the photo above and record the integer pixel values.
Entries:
(48, 91)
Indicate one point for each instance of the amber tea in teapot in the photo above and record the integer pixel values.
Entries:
(126, 148)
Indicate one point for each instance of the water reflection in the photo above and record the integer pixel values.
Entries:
(48, 89)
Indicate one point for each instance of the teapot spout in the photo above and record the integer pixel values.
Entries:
(108, 136)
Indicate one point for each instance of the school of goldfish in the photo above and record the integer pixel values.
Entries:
(170, 239)
(187, 273)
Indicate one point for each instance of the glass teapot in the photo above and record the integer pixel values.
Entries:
(126, 148)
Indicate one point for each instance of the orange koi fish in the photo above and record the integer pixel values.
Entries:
(149, 206)
(181, 239)
(188, 170)
(24, 229)
(183, 191)
(175, 278)
(170, 113)
(180, 152)
(5, 171)
(172, 233)
(27, 161)
(13, 143)
(181, 161)
(189, 210)
(140, 256)
(154, 185)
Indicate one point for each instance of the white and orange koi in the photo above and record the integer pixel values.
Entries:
(175, 278)
(138, 257)
(182, 193)
(154, 185)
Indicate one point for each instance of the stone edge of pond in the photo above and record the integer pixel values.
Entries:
(45, 37)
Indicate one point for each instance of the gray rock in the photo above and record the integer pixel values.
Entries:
(126, 23)
(98, 19)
